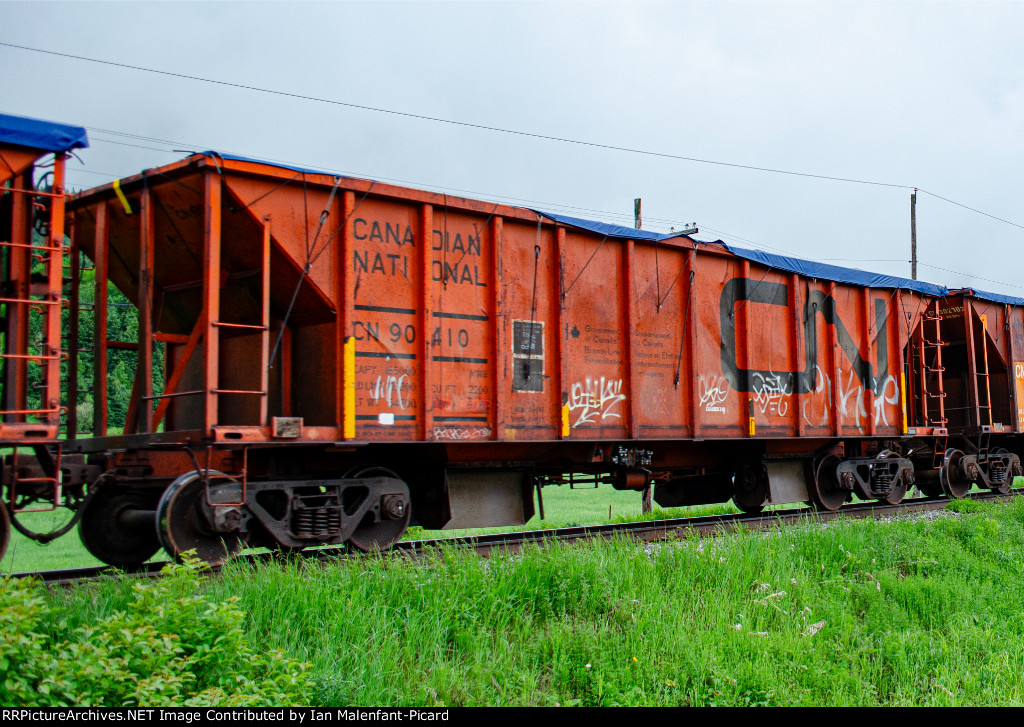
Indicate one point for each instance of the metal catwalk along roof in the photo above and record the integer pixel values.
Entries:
(39, 134)
(809, 268)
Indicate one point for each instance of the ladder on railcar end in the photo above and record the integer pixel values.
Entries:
(981, 372)
(931, 370)
(209, 331)
(264, 328)
(21, 292)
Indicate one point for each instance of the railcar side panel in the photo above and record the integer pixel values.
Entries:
(461, 325)
(531, 342)
(384, 261)
(597, 383)
(659, 296)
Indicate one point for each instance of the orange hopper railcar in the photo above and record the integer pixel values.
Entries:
(343, 357)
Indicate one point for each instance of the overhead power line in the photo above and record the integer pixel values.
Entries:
(974, 277)
(515, 132)
(453, 122)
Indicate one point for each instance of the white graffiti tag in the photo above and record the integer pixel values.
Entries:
(390, 390)
(888, 393)
(712, 393)
(822, 383)
(597, 399)
(442, 433)
(772, 392)
(847, 389)
(853, 400)
(881, 399)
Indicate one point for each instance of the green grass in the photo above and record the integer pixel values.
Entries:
(911, 612)
(24, 555)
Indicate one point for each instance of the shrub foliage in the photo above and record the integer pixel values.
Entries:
(173, 646)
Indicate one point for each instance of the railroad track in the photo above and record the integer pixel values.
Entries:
(650, 530)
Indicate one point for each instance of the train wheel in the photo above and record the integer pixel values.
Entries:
(119, 527)
(373, 536)
(395, 512)
(828, 495)
(896, 495)
(899, 491)
(952, 477)
(5, 529)
(750, 493)
(182, 525)
(1014, 472)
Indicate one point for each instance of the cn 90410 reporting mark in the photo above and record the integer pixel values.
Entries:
(454, 333)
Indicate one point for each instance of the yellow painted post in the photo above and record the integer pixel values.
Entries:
(903, 398)
(348, 382)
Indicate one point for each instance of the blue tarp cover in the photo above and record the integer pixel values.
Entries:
(821, 271)
(780, 262)
(824, 271)
(39, 134)
(607, 230)
(996, 297)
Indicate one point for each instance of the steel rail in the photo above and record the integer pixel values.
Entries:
(646, 531)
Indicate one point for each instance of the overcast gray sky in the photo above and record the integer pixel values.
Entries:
(925, 94)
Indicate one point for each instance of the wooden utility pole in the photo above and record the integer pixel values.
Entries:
(637, 220)
(913, 235)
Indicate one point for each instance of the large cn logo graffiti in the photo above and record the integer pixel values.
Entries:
(770, 386)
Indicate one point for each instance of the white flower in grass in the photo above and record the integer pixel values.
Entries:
(813, 628)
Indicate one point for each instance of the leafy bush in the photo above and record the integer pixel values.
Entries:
(173, 646)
